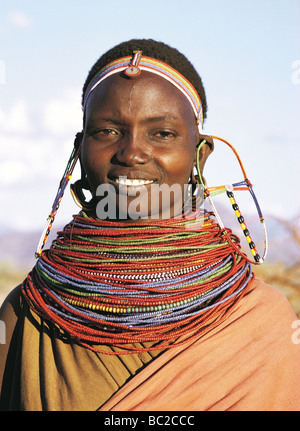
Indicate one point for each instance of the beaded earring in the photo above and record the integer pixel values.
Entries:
(60, 192)
(244, 185)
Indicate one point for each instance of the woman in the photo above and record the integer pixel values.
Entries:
(145, 302)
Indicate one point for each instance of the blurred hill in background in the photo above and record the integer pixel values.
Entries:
(282, 270)
(17, 257)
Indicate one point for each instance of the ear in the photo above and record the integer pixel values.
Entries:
(205, 151)
(78, 139)
(209, 141)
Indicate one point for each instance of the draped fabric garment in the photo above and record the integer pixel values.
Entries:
(250, 361)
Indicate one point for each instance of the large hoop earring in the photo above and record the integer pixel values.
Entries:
(229, 189)
(195, 181)
(79, 197)
(195, 191)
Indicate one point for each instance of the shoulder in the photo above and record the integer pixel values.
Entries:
(275, 339)
(11, 306)
(270, 301)
(261, 341)
(272, 324)
(267, 311)
(10, 312)
(9, 315)
(263, 321)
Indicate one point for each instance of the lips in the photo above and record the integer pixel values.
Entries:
(131, 179)
(123, 181)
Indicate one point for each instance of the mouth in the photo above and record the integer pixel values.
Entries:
(131, 180)
(131, 186)
(124, 181)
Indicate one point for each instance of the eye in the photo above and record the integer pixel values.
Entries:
(103, 132)
(106, 131)
(165, 134)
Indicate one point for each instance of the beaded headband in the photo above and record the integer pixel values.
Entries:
(133, 66)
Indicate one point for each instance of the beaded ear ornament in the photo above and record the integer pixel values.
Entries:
(60, 192)
(244, 185)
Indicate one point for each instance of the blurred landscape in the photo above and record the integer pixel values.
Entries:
(17, 257)
(281, 268)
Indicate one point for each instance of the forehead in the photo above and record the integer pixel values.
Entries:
(144, 93)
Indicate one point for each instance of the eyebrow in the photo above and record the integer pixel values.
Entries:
(154, 119)
(160, 118)
(93, 121)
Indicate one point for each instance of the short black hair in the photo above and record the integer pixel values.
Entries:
(157, 50)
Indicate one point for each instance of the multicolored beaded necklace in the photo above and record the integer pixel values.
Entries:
(163, 282)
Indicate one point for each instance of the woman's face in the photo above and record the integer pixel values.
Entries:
(143, 130)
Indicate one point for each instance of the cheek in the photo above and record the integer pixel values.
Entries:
(179, 166)
(91, 156)
(182, 157)
(94, 164)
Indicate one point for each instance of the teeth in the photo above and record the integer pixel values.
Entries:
(128, 182)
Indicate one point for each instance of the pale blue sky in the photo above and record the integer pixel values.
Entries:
(244, 51)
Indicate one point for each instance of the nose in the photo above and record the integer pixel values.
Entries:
(133, 150)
